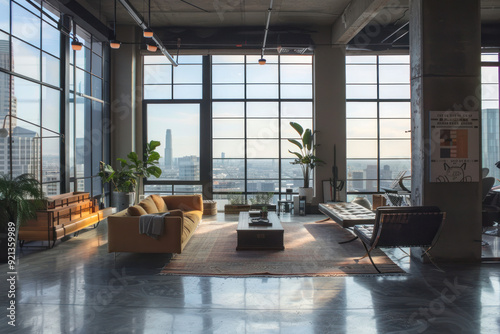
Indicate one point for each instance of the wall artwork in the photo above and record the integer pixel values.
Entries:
(455, 146)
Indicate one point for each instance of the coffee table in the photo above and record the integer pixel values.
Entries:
(259, 237)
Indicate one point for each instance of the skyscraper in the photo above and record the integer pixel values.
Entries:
(168, 149)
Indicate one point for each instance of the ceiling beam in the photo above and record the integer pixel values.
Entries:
(355, 17)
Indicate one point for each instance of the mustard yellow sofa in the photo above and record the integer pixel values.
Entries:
(185, 215)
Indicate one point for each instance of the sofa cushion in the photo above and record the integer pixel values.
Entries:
(136, 210)
(191, 220)
(149, 205)
(160, 203)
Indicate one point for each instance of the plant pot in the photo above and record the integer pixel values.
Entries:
(270, 207)
(236, 208)
(122, 200)
(307, 192)
(263, 214)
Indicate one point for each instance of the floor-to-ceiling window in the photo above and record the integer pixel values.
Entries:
(242, 108)
(378, 121)
(33, 95)
(30, 61)
(252, 106)
(490, 113)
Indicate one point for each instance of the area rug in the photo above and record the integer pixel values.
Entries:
(311, 249)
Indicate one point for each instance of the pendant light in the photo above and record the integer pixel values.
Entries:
(151, 47)
(75, 44)
(148, 33)
(114, 44)
(262, 61)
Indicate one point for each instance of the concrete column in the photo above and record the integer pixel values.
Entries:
(330, 112)
(445, 41)
(124, 97)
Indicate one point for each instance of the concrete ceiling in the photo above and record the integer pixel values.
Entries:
(304, 15)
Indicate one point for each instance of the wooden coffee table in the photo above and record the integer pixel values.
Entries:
(259, 237)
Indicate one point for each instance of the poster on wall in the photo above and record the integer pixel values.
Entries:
(454, 149)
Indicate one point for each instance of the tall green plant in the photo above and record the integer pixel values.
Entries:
(20, 198)
(305, 158)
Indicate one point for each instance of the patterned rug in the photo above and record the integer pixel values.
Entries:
(311, 249)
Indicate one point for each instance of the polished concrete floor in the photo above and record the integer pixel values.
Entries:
(77, 287)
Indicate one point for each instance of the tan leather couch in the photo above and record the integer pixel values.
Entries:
(185, 215)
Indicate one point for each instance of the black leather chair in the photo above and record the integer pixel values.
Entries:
(408, 226)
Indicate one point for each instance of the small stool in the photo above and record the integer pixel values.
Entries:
(209, 208)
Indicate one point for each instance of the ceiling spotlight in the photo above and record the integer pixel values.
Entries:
(148, 33)
(114, 44)
(76, 44)
(262, 61)
(151, 47)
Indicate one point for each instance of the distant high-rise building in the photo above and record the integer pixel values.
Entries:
(189, 168)
(371, 177)
(357, 182)
(223, 155)
(168, 149)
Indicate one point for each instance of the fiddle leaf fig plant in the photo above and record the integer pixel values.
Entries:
(305, 157)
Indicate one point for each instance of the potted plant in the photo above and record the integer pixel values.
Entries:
(262, 199)
(127, 179)
(263, 212)
(20, 198)
(305, 158)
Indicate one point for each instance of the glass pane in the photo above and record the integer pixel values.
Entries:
(489, 75)
(296, 74)
(50, 70)
(83, 82)
(490, 137)
(25, 59)
(157, 92)
(361, 74)
(228, 109)
(262, 74)
(96, 65)
(361, 110)
(50, 189)
(96, 87)
(262, 128)
(25, 25)
(293, 184)
(83, 134)
(184, 189)
(361, 59)
(228, 73)
(227, 59)
(155, 60)
(361, 91)
(5, 15)
(50, 160)
(97, 136)
(177, 128)
(296, 91)
(359, 169)
(368, 185)
(262, 186)
(96, 47)
(96, 186)
(395, 110)
(394, 73)
(361, 128)
(228, 91)
(361, 149)
(195, 59)
(5, 53)
(395, 128)
(228, 148)
(390, 169)
(396, 59)
(489, 92)
(263, 169)
(51, 101)
(395, 149)
(26, 98)
(51, 40)
(228, 169)
(83, 58)
(291, 171)
(71, 135)
(228, 128)
(296, 109)
(262, 91)
(188, 92)
(489, 57)
(229, 185)
(163, 189)
(262, 109)
(296, 59)
(157, 74)
(188, 74)
(262, 148)
(395, 91)
(288, 132)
